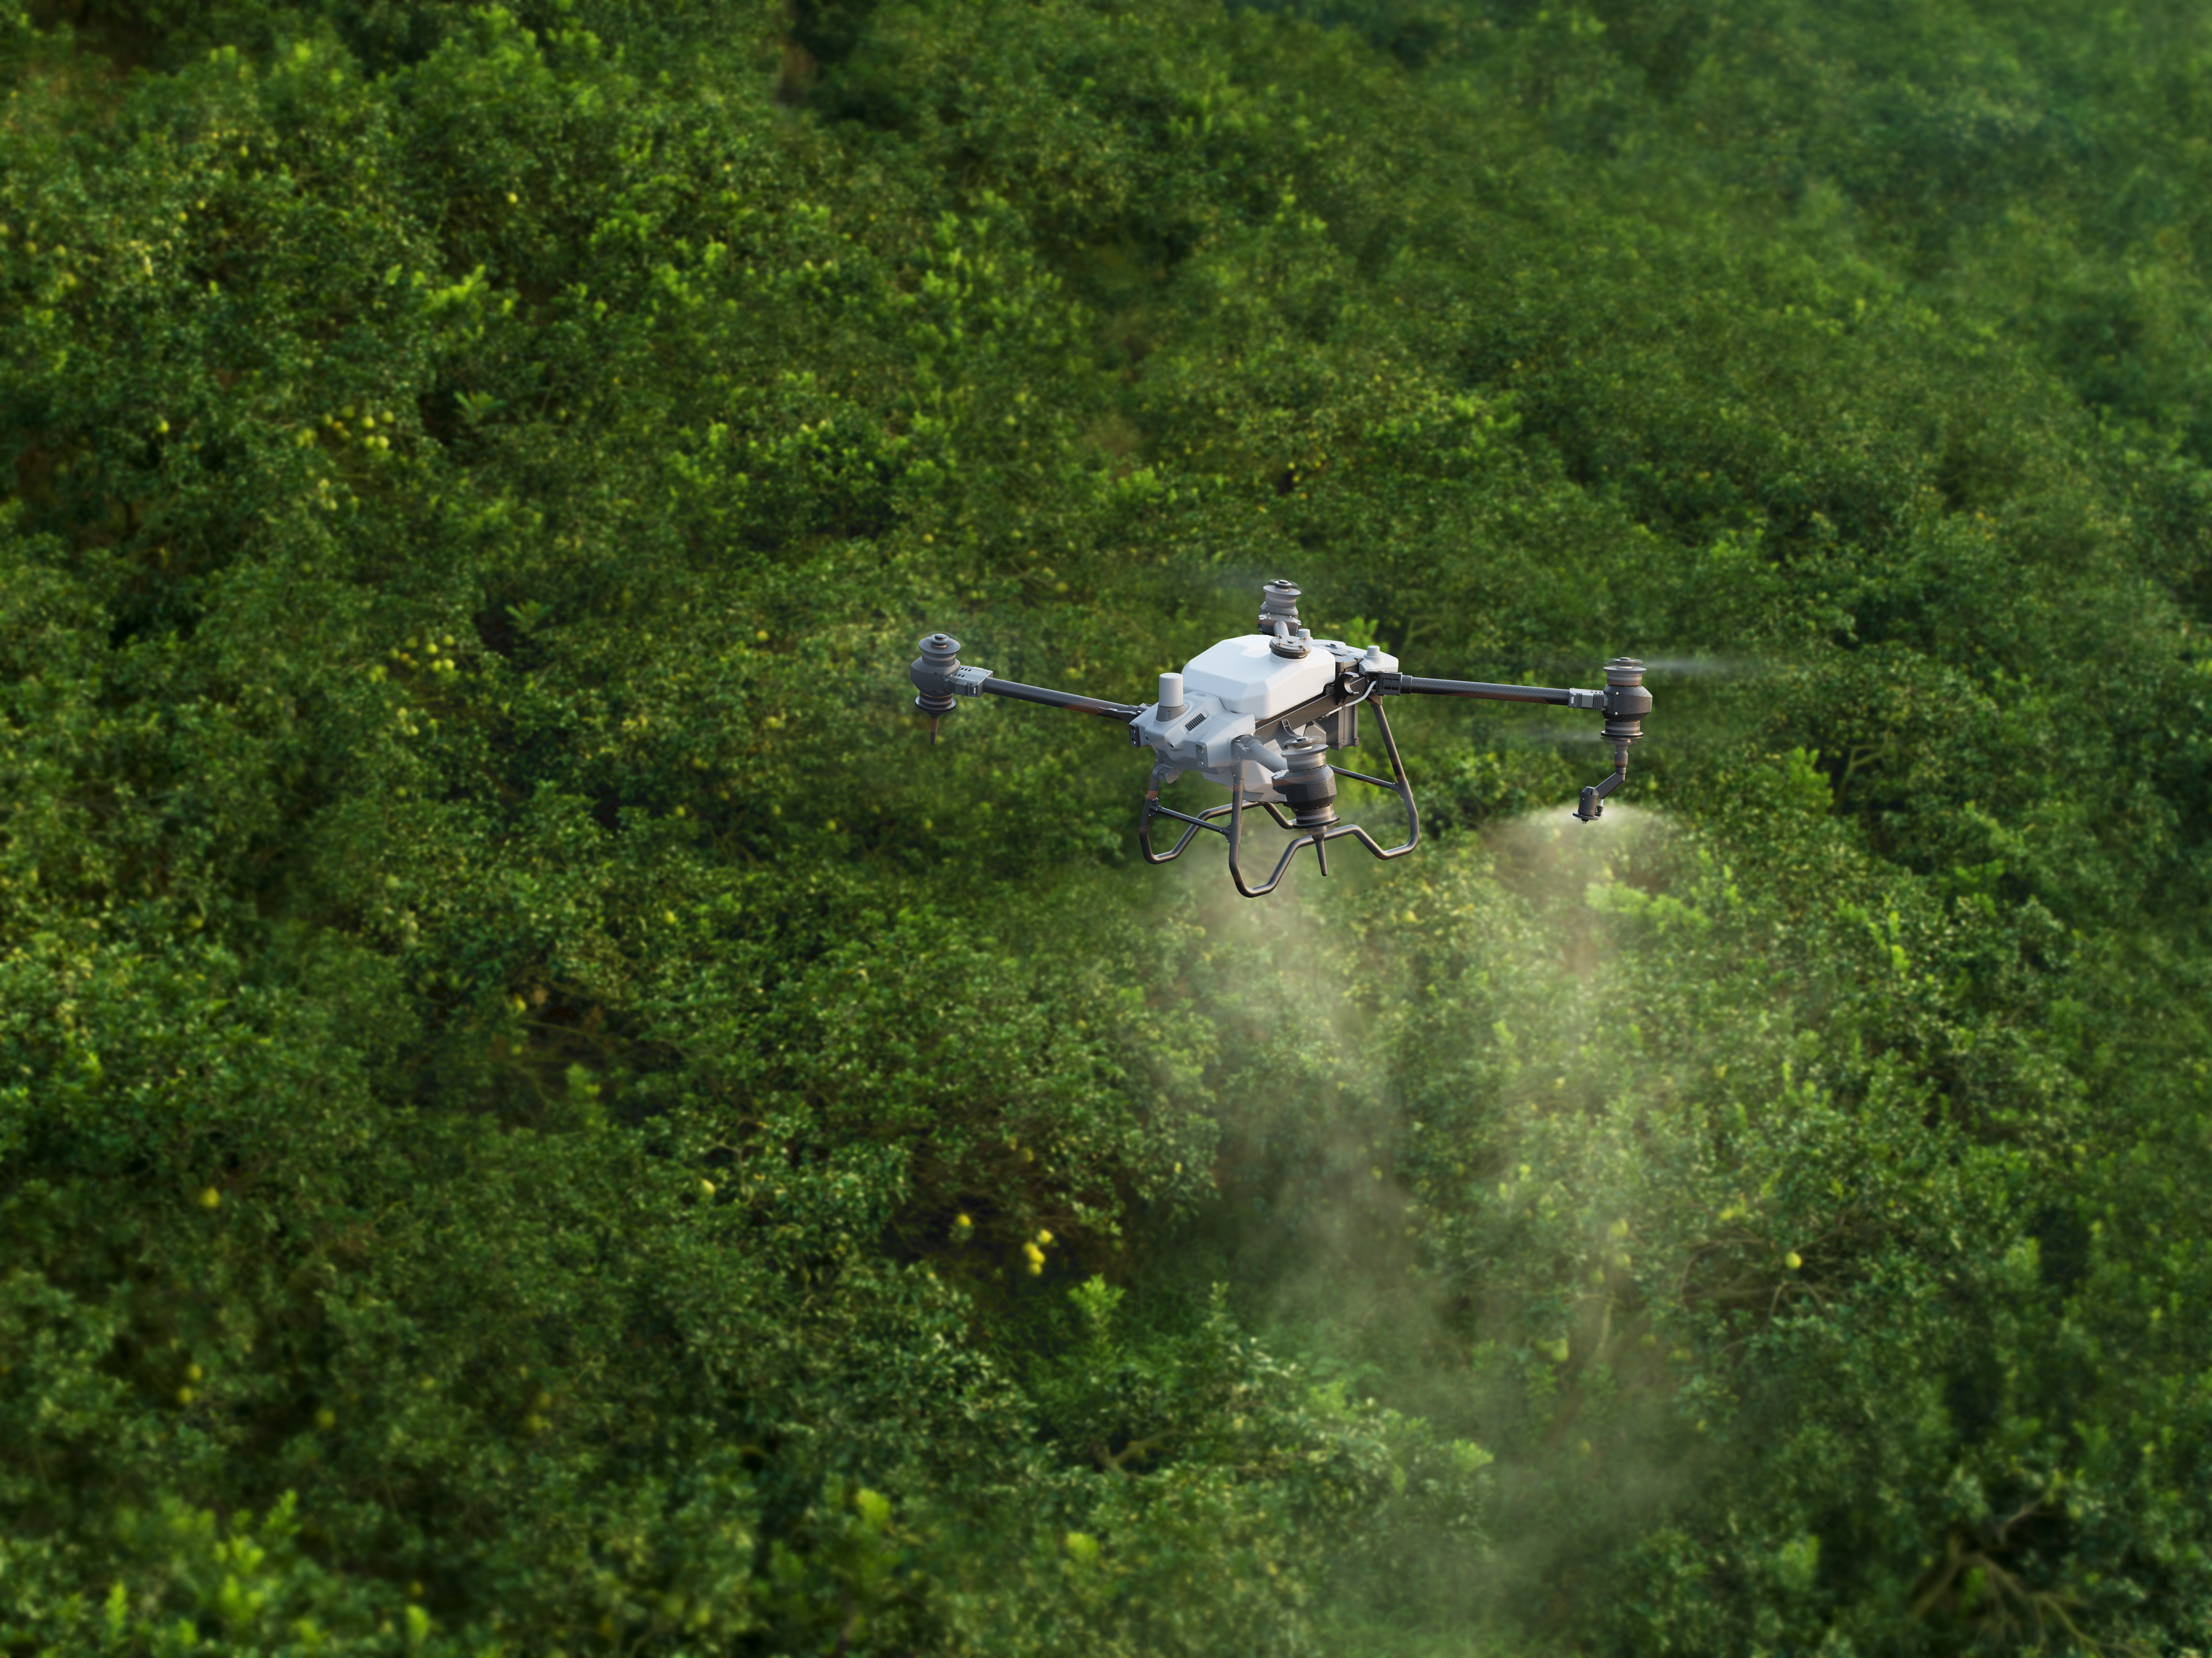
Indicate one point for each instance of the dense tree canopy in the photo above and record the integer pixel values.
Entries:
(538, 1114)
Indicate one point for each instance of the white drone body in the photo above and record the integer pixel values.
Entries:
(1208, 716)
(1259, 715)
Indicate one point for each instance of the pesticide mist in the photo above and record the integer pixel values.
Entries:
(1462, 1108)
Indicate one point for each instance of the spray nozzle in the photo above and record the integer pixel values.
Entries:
(1626, 704)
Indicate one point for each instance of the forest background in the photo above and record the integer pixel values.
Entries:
(539, 1115)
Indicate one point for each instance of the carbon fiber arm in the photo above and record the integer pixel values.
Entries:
(940, 680)
(1405, 684)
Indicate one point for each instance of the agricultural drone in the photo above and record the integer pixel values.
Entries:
(1260, 714)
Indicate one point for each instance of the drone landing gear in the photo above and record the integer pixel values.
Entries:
(1316, 835)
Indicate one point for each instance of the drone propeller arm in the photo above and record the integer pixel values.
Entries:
(939, 679)
(1401, 685)
(1123, 712)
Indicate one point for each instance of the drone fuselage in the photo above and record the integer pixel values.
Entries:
(1242, 700)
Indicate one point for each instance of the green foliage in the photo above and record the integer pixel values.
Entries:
(536, 1114)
